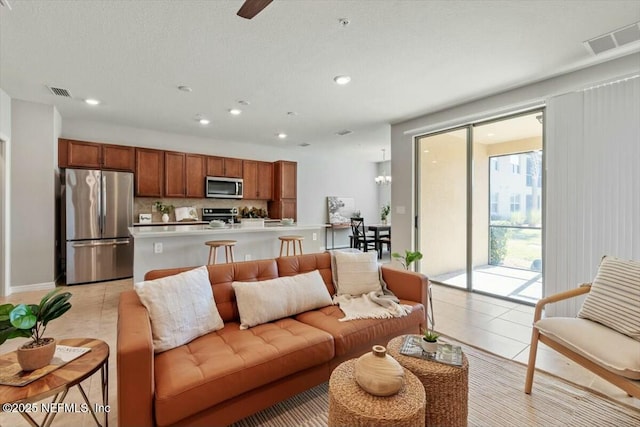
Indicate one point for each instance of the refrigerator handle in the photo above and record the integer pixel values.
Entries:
(103, 203)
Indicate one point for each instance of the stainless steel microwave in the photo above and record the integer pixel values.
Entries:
(223, 188)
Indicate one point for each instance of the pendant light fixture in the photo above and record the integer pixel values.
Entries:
(383, 179)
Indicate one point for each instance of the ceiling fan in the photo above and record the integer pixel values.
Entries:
(251, 8)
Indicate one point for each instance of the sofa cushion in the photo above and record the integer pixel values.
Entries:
(356, 273)
(614, 299)
(292, 265)
(226, 363)
(612, 350)
(261, 302)
(353, 335)
(181, 307)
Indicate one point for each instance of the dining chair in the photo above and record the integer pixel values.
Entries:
(362, 240)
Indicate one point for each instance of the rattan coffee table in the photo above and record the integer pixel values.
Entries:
(446, 387)
(350, 405)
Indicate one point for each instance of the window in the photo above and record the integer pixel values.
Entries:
(494, 202)
(515, 203)
(515, 163)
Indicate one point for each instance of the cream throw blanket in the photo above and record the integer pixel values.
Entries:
(379, 304)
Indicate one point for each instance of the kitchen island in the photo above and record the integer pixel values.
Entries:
(168, 246)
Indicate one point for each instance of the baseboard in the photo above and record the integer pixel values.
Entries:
(30, 288)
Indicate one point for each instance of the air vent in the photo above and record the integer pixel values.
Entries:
(304, 144)
(344, 132)
(59, 91)
(614, 39)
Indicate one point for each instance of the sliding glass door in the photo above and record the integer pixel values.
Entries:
(480, 206)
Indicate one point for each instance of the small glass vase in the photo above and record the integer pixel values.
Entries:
(165, 217)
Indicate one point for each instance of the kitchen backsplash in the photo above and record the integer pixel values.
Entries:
(144, 205)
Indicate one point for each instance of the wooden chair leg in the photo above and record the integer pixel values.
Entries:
(531, 365)
(231, 253)
(215, 255)
(281, 246)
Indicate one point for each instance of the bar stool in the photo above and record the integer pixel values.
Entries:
(288, 240)
(213, 249)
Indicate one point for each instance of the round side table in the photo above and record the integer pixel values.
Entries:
(58, 382)
(350, 405)
(446, 387)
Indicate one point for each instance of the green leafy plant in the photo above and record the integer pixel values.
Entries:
(498, 243)
(165, 209)
(385, 211)
(430, 336)
(407, 258)
(30, 320)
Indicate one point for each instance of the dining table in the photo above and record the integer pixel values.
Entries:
(380, 230)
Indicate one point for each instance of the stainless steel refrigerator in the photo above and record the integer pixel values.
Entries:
(97, 216)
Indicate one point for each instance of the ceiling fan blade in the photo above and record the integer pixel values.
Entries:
(251, 8)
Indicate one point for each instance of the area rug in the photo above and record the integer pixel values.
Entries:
(496, 398)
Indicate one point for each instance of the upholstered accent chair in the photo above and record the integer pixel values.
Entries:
(605, 337)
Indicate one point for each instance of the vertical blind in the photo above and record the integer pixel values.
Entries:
(592, 151)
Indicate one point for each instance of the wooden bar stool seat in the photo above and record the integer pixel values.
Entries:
(213, 249)
(289, 240)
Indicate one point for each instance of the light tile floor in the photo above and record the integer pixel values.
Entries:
(495, 325)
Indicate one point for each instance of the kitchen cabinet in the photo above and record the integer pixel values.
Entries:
(224, 166)
(195, 173)
(285, 190)
(258, 180)
(149, 174)
(92, 155)
(174, 174)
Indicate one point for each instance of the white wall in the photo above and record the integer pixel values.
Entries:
(321, 173)
(5, 176)
(32, 203)
(403, 134)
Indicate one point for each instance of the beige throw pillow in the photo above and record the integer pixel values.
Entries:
(261, 302)
(181, 308)
(614, 299)
(356, 273)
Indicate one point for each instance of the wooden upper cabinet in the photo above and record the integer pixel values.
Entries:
(118, 157)
(174, 174)
(250, 179)
(258, 180)
(224, 166)
(285, 180)
(80, 154)
(149, 175)
(195, 175)
(265, 180)
(92, 155)
(233, 168)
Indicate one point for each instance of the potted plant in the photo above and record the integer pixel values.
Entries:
(165, 209)
(384, 213)
(407, 258)
(30, 321)
(429, 341)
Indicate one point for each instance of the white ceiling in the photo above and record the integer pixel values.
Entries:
(406, 58)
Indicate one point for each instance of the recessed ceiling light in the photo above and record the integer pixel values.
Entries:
(242, 102)
(342, 80)
(204, 121)
(235, 111)
(282, 135)
(91, 101)
(185, 88)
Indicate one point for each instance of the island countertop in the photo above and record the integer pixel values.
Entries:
(142, 232)
(168, 246)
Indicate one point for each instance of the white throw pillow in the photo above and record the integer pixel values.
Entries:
(261, 302)
(614, 299)
(356, 273)
(181, 308)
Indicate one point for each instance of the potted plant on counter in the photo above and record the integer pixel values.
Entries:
(165, 209)
(30, 321)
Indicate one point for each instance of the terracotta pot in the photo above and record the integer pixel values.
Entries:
(378, 373)
(429, 346)
(31, 359)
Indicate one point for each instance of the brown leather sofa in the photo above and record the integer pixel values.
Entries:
(229, 374)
